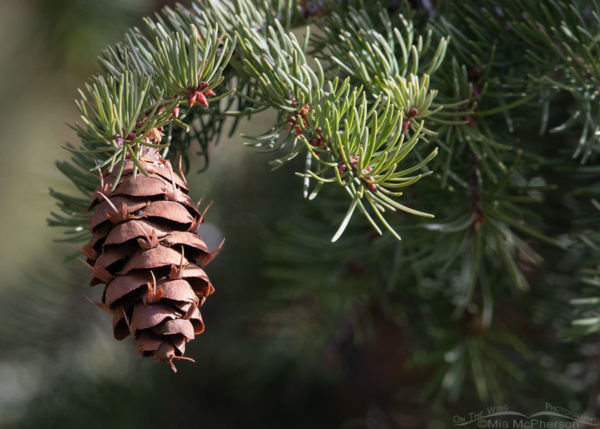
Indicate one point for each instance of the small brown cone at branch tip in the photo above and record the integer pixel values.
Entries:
(145, 249)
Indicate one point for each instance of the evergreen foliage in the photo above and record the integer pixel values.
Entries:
(479, 118)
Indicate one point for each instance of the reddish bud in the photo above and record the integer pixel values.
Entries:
(413, 112)
(315, 141)
(304, 110)
(406, 124)
(209, 93)
(470, 121)
(176, 111)
(201, 98)
(119, 141)
(367, 170)
(191, 98)
(131, 136)
(202, 86)
(342, 168)
(371, 186)
(298, 130)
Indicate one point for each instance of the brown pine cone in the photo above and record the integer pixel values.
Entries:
(145, 249)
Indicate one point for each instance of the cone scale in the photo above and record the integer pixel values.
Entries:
(145, 249)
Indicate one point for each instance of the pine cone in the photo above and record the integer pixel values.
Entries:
(145, 249)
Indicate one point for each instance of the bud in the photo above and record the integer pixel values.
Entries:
(371, 186)
(406, 124)
(191, 98)
(201, 98)
(470, 121)
(304, 110)
(316, 141)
